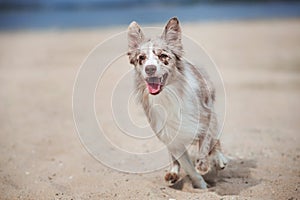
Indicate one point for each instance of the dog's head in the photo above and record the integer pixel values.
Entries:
(155, 59)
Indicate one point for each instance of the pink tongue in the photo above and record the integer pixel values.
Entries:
(153, 87)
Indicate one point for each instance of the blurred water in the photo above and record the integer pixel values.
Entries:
(99, 16)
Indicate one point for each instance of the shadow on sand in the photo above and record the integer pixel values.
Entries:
(235, 178)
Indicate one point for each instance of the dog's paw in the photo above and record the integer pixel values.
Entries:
(220, 161)
(202, 166)
(171, 177)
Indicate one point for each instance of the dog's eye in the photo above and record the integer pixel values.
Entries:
(142, 57)
(163, 56)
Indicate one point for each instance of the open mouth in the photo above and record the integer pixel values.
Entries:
(155, 84)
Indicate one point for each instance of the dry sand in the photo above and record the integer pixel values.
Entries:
(43, 158)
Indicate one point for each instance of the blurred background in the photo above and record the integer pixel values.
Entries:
(255, 44)
(16, 14)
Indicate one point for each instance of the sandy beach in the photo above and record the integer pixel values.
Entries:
(41, 156)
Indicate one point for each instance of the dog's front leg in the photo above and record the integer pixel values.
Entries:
(187, 165)
(209, 147)
(202, 162)
(173, 175)
(218, 157)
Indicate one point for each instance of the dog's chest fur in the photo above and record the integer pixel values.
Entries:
(174, 114)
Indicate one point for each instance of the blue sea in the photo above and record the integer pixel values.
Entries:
(41, 14)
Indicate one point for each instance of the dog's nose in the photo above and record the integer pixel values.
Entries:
(150, 69)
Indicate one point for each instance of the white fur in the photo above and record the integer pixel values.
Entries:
(178, 117)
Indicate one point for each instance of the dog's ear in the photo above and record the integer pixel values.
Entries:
(135, 36)
(172, 35)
